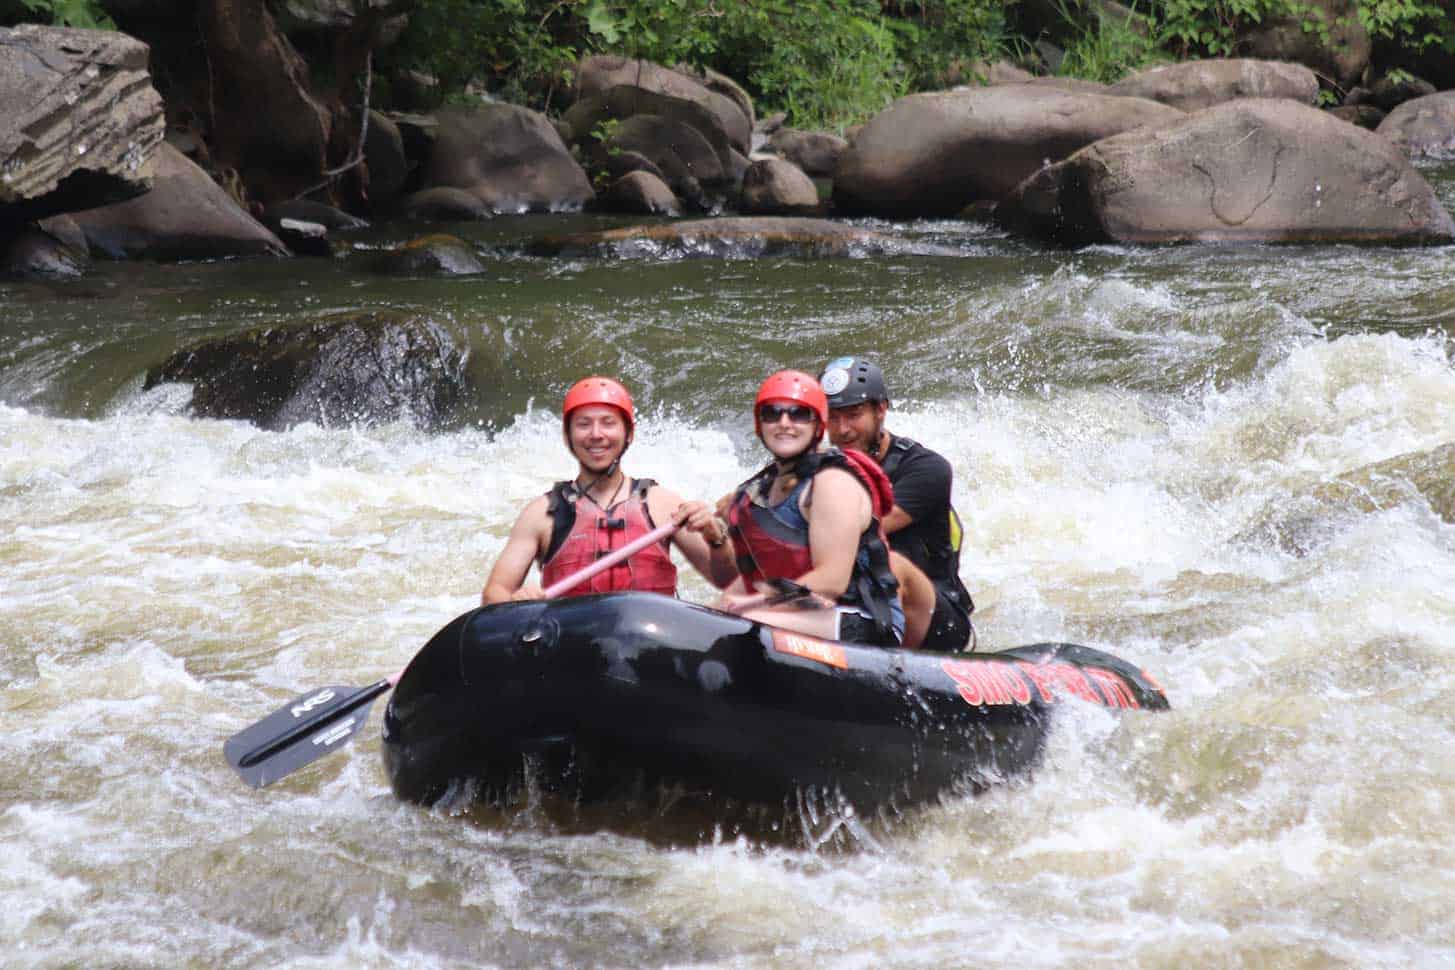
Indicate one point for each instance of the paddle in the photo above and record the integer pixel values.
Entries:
(313, 724)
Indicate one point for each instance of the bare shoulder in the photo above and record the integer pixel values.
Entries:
(836, 489)
(534, 519)
(836, 480)
(662, 502)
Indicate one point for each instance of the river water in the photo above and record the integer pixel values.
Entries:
(1232, 467)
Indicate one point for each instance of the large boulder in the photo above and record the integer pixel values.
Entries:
(732, 237)
(640, 192)
(1424, 126)
(816, 152)
(775, 186)
(1252, 170)
(354, 369)
(600, 72)
(186, 215)
(437, 254)
(1194, 85)
(935, 154)
(79, 119)
(686, 161)
(388, 165)
(1325, 35)
(509, 157)
(724, 85)
(674, 134)
(36, 252)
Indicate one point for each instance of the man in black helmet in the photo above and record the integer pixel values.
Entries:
(922, 526)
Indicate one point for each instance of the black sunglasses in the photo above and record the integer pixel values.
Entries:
(797, 413)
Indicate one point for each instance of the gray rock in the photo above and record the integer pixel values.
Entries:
(934, 154)
(688, 163)
(444, 205)
(776, 186)
(358, 369)
(1363, 115)
(388, 165)
(508, 157)
(34, 253)
(1251, 170)
(79, 119)
(602, 122)
(186, 215)
(1424, 126)
(1194, 85)
(742, 237)
(643, 193)
(437, 254)
(816, 152)
(1387, 93)
(597, 73)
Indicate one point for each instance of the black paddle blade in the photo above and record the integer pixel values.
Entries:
(300, 732)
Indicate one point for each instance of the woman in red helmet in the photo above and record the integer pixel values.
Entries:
(600, 510)
(812, 517)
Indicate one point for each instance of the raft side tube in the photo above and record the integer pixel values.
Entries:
(612, 692)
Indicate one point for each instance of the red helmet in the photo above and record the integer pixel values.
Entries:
(797, 387)
(599, 390)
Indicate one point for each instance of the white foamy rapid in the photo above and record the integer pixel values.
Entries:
(168, 581)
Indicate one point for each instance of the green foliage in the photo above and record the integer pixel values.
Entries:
(1413, 24)
(935, 35)
(1194, 27)
(831, 63)
(665, 31)
(522, 49)
(1107, 48)
(58, 13)
(827, 63)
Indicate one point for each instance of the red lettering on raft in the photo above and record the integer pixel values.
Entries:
(987, 682)
(1114, 690)
(991, 682)
(810, 648)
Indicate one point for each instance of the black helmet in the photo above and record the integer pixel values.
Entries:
(849, 380)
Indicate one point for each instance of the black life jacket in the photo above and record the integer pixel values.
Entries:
(940, 554)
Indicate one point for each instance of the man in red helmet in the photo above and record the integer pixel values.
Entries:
(812, 517)
(600, 510)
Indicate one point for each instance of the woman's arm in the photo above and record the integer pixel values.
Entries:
(838, 511)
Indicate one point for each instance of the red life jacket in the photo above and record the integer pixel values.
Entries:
(582, 532)
(773, 542)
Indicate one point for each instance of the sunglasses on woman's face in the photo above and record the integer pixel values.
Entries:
(797, 413)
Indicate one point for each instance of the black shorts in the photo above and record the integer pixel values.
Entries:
(855, 627)
(950, 629)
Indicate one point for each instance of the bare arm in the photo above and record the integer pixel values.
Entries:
(917, 595)
(838, 512)
(699, 524)
(527, 539)
(897, 519)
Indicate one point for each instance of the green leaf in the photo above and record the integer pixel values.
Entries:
(603, 23)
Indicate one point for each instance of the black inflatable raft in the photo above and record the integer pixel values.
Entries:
(600, 695)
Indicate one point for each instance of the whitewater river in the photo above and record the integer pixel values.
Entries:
(1232, 467)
